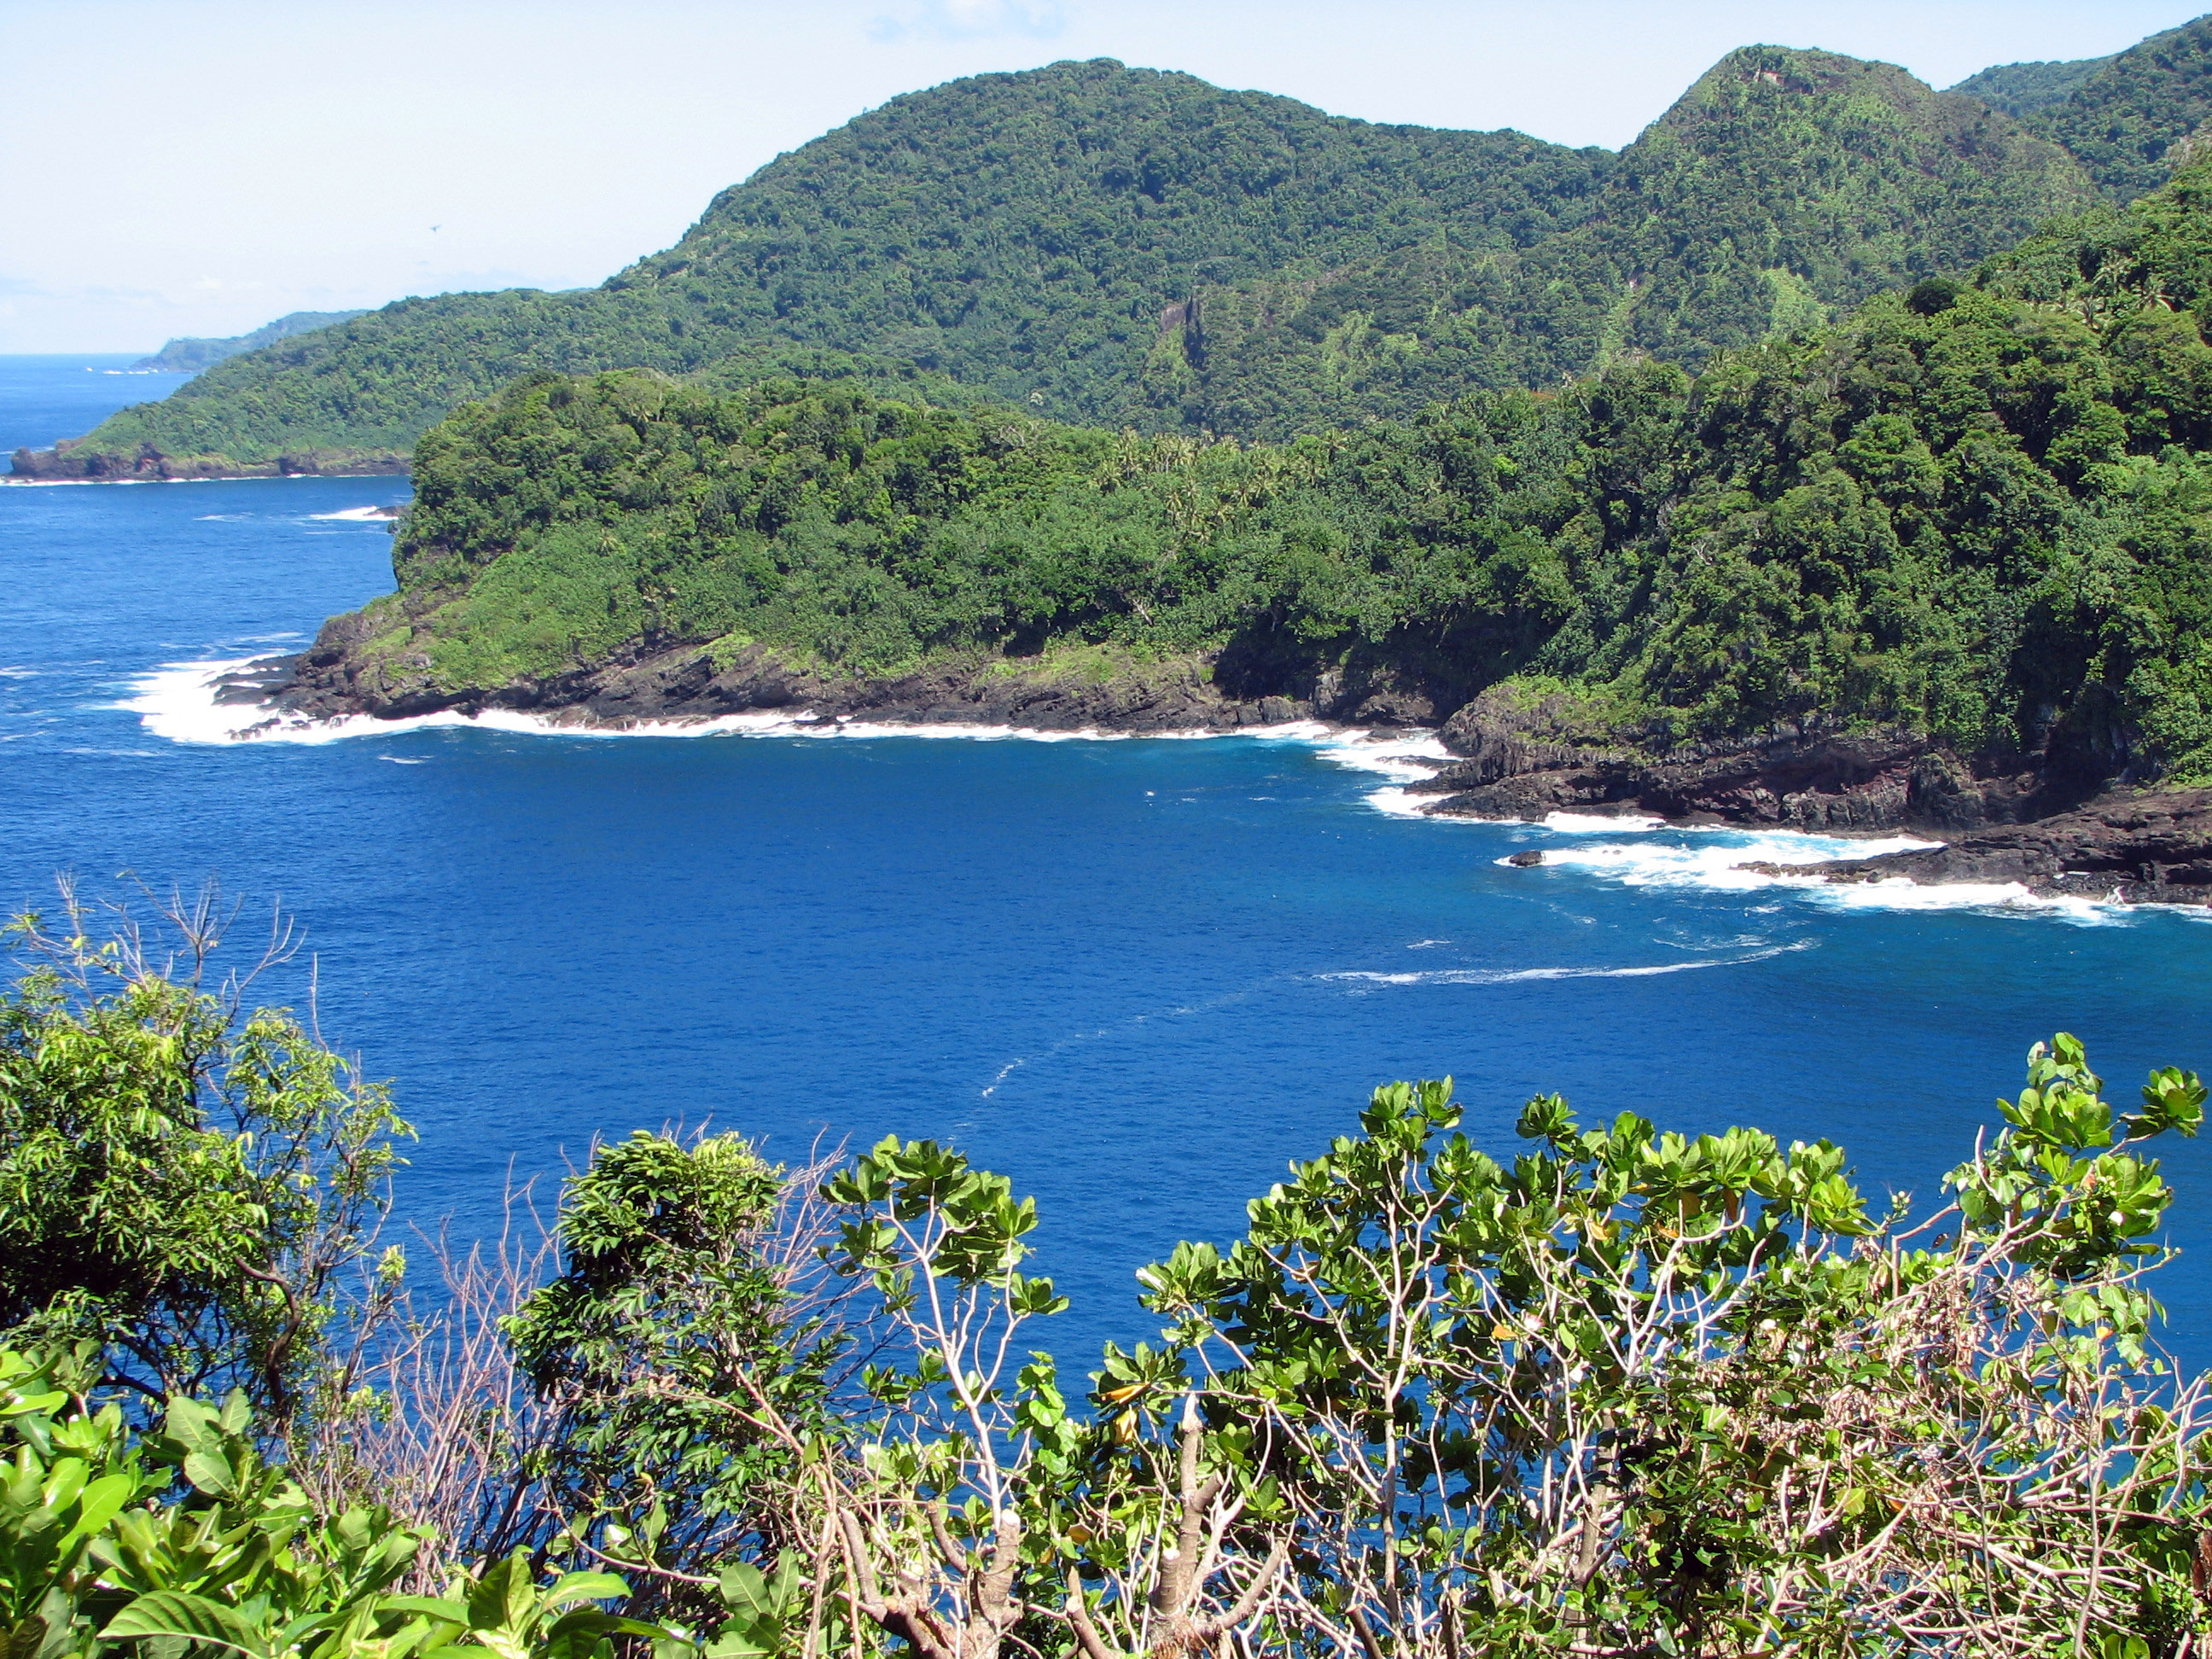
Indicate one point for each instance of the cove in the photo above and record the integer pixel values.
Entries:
(1137, 977)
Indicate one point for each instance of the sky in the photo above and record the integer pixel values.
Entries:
(200, 166)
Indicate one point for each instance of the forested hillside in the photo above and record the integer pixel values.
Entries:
(1783, 185)
(1126, 247)
(1978, 510)
(2125, 117)
(2022, 88)
(190, 354)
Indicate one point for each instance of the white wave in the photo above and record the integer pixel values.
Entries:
(405, 760)
(358, 514)
(1600, 823)
(72, 483)
(177, 701)
(1403, 756)
(1399, 803)
(1713, 863)
(1520, 975)
(221, 518)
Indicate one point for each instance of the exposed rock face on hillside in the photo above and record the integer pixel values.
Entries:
(1526, 758)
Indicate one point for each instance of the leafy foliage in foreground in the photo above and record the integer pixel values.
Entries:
(181, 1179)
(1635, 1392)
(1977, 509)
(187, 1540)
(1102, 244)
(1640, 1392)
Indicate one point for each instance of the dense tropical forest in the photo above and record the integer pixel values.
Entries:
(1643, 1391)
(1971, 508)
(1119, 246)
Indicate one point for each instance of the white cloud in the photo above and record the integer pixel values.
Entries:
(972, 19)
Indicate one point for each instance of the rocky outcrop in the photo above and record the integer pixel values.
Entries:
(70, 461)
(1832, 783)
(2136, 847)
(1525, 756)
(374, 662)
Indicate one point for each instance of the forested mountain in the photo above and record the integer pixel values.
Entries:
(2131, 109)
(2020, 89)
(1981, 511)
(190, 354)
(1782, 185)
(1126, 247)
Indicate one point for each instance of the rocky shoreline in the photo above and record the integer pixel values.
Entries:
(2118, 843)
(689, 686)
(2093, 838)
(69, 462)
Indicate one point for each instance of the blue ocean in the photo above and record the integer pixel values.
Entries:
(1137, 977)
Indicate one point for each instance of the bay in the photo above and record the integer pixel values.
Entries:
(1137, 977)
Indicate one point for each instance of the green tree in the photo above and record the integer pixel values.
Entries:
(182, 1180)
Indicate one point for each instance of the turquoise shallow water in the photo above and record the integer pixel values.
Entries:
(1137, 977)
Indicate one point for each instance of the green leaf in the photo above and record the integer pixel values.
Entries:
(193, 1617)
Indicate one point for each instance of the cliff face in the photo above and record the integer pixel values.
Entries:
(1521, 762)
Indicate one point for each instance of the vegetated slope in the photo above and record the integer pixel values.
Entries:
(1022, 232)
(2126, 117)
(192, 353)
(2019, 89)
(1782, 185)
(1980, 511)
(1127, 246)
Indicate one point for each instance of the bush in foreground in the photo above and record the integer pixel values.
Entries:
(1636, 1393)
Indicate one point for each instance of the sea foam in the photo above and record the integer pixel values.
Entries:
(178, 701)
(1523, 976)
(1712, 860)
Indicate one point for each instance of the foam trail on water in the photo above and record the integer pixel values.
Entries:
(358, 514)
(1522, 976)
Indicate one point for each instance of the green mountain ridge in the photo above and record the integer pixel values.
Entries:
(2133, 107)
(2020, 89)
(193, 353)
(1131, 246)
(1980, 511)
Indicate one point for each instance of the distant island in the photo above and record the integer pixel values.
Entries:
(190, 354)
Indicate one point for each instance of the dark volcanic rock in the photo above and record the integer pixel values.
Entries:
(1525, 756)
(1835, 783)
(2139, 846)
(333, 679)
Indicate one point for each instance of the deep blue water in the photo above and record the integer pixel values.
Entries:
(1114, 970)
